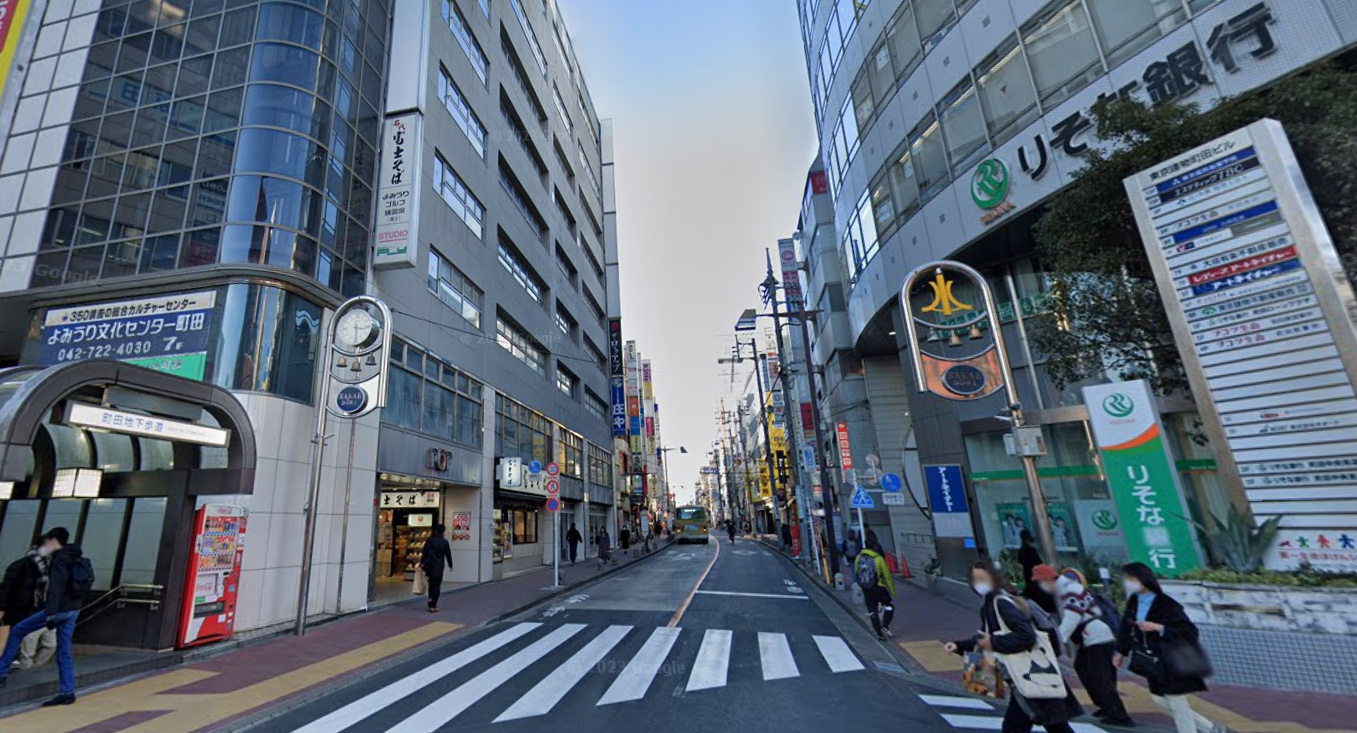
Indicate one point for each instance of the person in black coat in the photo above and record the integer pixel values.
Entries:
(1157, 623)
(19, 589)
(437, 551)
(1023, 714)
(1030, 558)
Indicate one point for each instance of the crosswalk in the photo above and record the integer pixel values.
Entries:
(972, 713)
(537, 646)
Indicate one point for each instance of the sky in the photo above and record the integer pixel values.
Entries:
(713, 133)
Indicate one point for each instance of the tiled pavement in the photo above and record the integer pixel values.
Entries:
(212, 692)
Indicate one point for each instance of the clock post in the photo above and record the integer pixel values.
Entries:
(353, 384)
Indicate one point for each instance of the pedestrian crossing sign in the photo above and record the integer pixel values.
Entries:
(862, 500)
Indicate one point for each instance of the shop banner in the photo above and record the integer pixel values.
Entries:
(617, 375)
(947, 499)
(169, 333)
(1142, 477)
(398, 193)
(791, 271)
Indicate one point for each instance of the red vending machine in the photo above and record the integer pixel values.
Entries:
(209, 608)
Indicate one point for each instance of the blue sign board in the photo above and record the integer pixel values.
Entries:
(351, 400)
(862, 500)
(169, 333)
(947, 498)
(535, 466)
(892, 483)
(619, 399)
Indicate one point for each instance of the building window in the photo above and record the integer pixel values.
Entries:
(904, 184)
(455, 193)
(595, 404)
(462, 32)
(485, 7)
(457, 106)
(1126, 27)
(566, 322)
(509, 182)
(430, 396)
(532, 37)
(963, 125)
(521, 345)
(935, 18)
(600, 466)
(572, 454)
(564, 264)
(455, 289)
(521, 432)
(1006, 94)
(561, 111)
(513, 262)
(929, 157)
(522, 523)
(1061, 52)
(860, 243)
(864, 104)
(594, 307)
(595, 354)
(566, 382)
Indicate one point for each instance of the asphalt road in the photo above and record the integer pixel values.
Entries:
(703, 635)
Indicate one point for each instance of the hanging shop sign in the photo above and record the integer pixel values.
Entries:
(617, 377)
(931, 303)
(398, 193)
(947, 501)
(791, 270)
(1141, 476)
(410, 499)
(1264, 319)
(169, 333)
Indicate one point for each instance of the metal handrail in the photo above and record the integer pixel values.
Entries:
(120, 597)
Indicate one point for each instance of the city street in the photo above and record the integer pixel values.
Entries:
(704, 635)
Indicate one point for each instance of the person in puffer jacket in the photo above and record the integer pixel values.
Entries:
(1083, 627)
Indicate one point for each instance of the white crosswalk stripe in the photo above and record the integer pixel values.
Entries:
(529, 646)
(712, 660)
(994, 721)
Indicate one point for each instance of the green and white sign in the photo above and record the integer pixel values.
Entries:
(1142, 477)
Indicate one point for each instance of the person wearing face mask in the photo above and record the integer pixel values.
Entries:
(1166, 648)
(1088, 624)
(1039, 694)
(23, 592)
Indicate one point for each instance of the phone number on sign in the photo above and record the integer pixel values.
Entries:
(105, 351)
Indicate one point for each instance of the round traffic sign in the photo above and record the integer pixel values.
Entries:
(535, 467)
(553, 469)
(553, 486)
(553, 505)
(890, 482)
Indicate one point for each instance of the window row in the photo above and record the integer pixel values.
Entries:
(595, 405)
(523, 347)
(514, 263)
(532, 37)
(431, 396)
(522, 432)
(456, 194)
(455, 289)
(572, 454)
(457, 106)
(462, 32)
(843, 20)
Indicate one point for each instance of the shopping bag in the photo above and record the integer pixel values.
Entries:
(421, 583)
(980, 675)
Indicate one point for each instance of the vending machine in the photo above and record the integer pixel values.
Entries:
(209, 608)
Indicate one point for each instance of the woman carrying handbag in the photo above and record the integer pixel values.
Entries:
(1160, 643)
(1028, 661)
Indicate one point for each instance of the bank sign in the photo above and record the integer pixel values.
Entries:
(1142, 477)
(1250, 280)
(169, 333)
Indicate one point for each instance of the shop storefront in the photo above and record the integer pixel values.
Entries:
(519, 532)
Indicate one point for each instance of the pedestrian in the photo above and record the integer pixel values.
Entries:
(730, 530)
(22, 593)
(1160, 643)
(624, 535)
(437, 555)
(70, 578)
(573, 538)
(1040, 695)
(878, 587)
(1089, 625)
(604, 545)
(1030, 558)
(787, 537)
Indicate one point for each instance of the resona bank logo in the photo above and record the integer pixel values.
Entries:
(990, 183)
(1105, 520)
(1118, 405)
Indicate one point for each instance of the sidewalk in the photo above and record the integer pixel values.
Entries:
(213, 689)
(924, 621)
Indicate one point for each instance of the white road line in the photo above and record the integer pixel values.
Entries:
(635, 679)
(441, 711)
(371, 703)
(544, 696)
(837, 654)
(713, 657)
(979, 722)
(947, 701)
(776, 656)
(752, 595)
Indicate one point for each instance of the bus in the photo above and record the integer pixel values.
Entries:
(691, 524)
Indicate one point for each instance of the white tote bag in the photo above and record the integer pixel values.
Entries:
(1035, 673)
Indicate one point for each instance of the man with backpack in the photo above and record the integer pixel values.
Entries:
(878, 587)
(22, 592)
(1089, 623)
(70, 579)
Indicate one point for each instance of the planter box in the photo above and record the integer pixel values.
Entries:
(1268, 608)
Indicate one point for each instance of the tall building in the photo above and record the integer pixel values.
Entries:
(193, 186)
(913, 98)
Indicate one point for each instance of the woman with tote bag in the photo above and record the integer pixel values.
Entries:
(1029, 662)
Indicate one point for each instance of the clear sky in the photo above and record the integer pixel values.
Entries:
(713, 134)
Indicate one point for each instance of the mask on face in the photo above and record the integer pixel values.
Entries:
(44, 551)
(1132, 587)
(982, 588)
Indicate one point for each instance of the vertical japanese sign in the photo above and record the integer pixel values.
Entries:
(845, 449)
(947, 499)
(633, 373)
(13, 13)
(169, 333)
(398, 192)
(1142, 477)
(617, 377)
(1263, 317)
(791, 270)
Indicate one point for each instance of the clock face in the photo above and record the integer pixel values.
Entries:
(356, 330)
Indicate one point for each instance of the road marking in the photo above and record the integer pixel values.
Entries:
(544, 696)
(751, 595)
(837, 654)
(776, 656)
(441, 711)
(980, 722)
(640, 671)
(683, 607)
(370, 703)
(948, 701)
(709, 669)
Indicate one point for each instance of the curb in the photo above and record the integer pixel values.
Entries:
(308, 696)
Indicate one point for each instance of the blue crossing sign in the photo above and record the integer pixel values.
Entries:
(862, 500)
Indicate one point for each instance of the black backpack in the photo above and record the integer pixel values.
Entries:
(864, 571)
(80, 580)
(1111, 616)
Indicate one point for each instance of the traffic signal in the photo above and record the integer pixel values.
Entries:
(780, 462)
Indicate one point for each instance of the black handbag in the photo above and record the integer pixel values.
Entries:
(1144, 662)
(1185, 659)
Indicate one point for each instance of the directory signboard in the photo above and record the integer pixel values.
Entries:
(1264, 320)
(167, 333)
